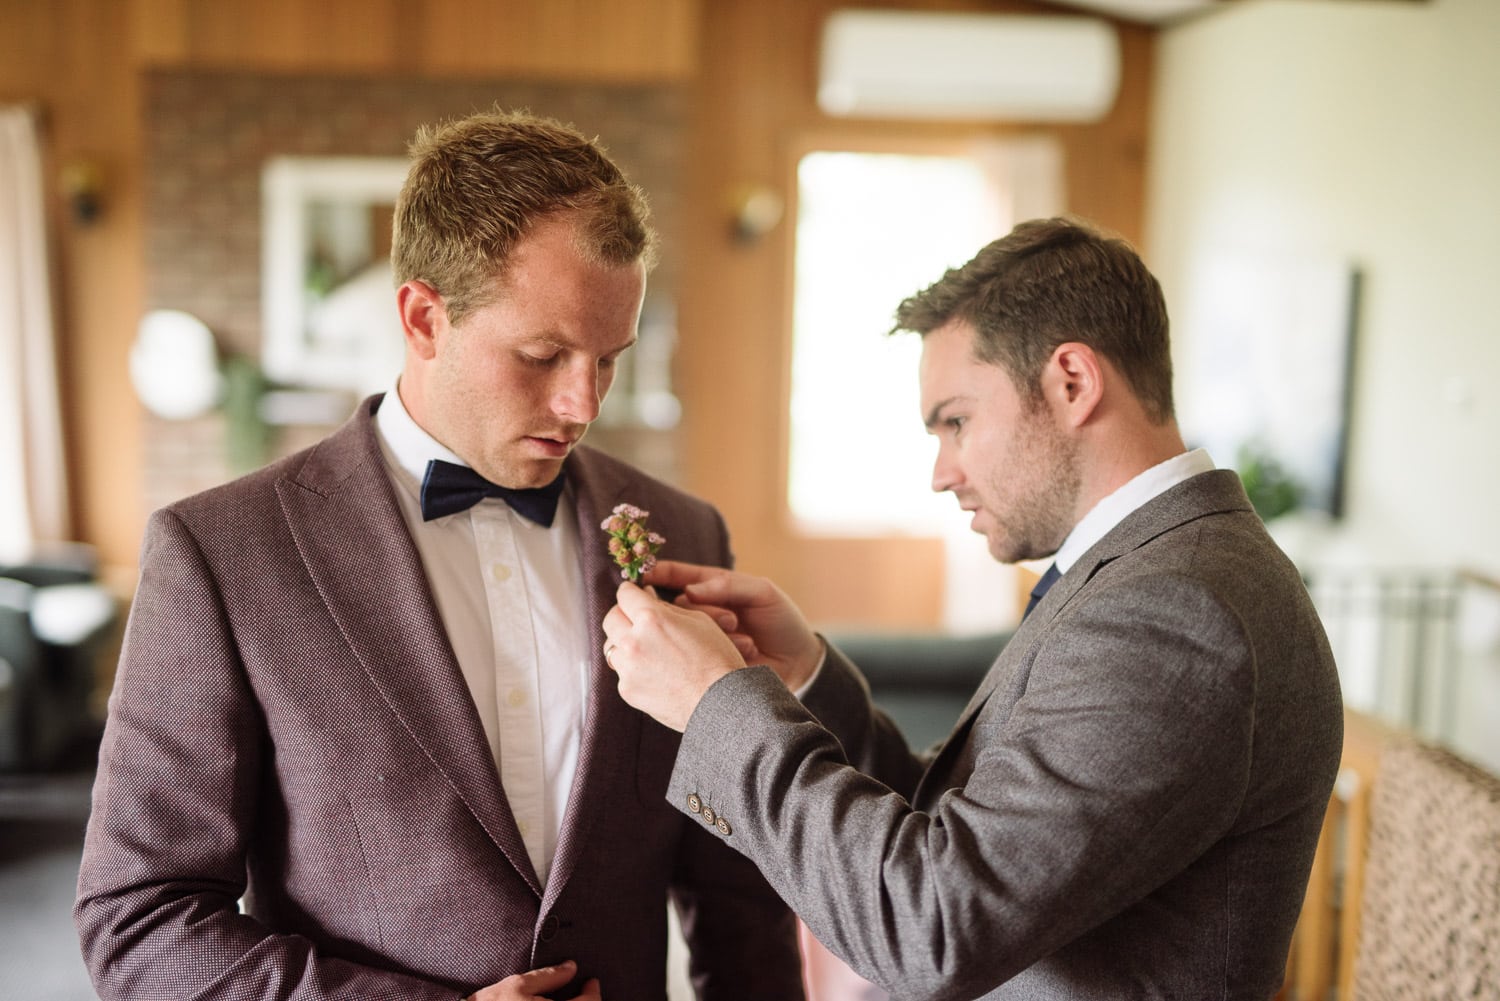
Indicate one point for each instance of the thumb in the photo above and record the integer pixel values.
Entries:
(591, 991)
(548, 978)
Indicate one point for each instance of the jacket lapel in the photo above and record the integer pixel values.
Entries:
(1208, 493)
(343, 515)
(611, 728)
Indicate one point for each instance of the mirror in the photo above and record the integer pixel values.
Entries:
(328, 302)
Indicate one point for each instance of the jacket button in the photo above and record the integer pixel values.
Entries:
(723, 826)
(549, 928)
(708, 815)
(694, 803)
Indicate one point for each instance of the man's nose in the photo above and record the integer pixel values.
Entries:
(946, 473)
(578, 395)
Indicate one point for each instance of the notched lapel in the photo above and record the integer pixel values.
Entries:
(1213, 492)
(1014, 656)
(342, 513)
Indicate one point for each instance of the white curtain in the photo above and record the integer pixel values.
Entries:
(33, 482)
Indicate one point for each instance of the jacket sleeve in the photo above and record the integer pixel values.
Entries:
(164, 862)
(1117, 766)
(741, 937)
(840, 700)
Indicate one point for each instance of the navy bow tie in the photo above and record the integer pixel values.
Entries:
(1048, 579)
(448, 488)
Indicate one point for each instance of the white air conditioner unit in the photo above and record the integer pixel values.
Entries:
(910, 64)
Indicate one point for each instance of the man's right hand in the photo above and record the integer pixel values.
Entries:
(531, 985)
(766, 627)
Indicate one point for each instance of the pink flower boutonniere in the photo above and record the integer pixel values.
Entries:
(630, 544)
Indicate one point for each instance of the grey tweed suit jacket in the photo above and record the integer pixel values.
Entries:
(289, 724)
(1128, 807)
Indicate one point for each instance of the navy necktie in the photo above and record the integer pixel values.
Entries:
(448, 488)
(1048, 579)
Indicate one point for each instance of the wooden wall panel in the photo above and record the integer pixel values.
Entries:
(81, 61)
(72, 60)
(625, 40)
(756, 106)
(291, 35)
(751, 63)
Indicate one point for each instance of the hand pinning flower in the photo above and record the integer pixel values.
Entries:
(630, 544)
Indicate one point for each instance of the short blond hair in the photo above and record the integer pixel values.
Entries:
(477, 185)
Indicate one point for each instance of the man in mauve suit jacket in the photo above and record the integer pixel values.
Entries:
(1129, 805)
(299, 797)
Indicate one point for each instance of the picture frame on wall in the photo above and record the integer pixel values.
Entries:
(1271, 345)
(328, 298)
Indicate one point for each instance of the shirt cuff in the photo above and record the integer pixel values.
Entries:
(802, 689)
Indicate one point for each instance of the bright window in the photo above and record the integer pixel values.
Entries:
(872, 228)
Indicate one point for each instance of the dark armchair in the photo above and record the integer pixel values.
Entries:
(55, 622)
(922, 680)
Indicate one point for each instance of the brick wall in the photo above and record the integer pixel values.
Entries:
(207, 137)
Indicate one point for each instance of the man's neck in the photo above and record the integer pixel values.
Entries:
(1115, 460)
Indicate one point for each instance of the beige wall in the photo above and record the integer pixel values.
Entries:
(1368, 130)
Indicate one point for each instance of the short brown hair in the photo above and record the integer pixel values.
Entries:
(1048, 282)
(478, 184)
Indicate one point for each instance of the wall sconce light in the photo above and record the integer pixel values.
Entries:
(755, 210)
(82, 184)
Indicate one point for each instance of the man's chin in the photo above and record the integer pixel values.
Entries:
(1005, 550)
(539, 474)
(525, 475)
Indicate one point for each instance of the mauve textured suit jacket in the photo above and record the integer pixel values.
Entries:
(288, 719)
(1128, 807)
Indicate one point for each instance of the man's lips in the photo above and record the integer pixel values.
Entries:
(555, 444)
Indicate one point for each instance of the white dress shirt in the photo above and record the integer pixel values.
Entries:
(1114, 507)
(511, 599)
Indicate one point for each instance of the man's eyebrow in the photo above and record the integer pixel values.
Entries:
(556, 341)
(934, 416)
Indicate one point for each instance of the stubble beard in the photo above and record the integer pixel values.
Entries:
(1040, 518)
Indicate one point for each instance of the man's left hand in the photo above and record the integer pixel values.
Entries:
(666, 657)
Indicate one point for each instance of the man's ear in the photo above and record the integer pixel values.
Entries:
(1073, 383)
(423, 317)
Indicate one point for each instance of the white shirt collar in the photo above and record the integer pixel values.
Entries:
(1115, 507)
(409, 446)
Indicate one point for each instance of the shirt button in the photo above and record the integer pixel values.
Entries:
(501, 571)
(694, 803)
(723, 826)
(517, 698)
(523, 827)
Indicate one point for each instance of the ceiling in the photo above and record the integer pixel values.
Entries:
(1145, 11)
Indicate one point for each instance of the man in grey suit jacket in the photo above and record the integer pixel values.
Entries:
(1129, 805)
(362, 742)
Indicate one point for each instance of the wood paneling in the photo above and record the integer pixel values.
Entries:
(756, 106)
(625, 40)
(72, 59)
(752, 64)
(81, 61)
